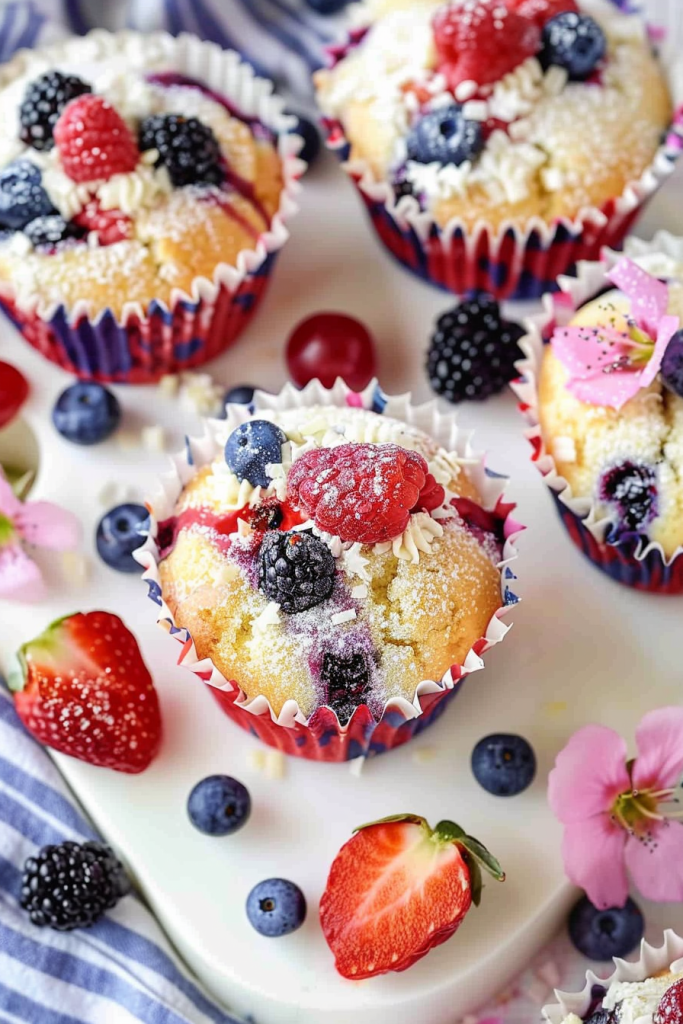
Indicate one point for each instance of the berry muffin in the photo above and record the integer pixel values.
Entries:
(139, 195)
(609, 416)
(647, 991)
(333, 563)
(492, 119)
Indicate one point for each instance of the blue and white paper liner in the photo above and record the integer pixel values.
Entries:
(321, 736)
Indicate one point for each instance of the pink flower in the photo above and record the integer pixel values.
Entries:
(608, 366)
(619, 815)
(34, 522)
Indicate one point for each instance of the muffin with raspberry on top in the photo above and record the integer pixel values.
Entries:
(333, 557)
(501, 117)
(132, 190)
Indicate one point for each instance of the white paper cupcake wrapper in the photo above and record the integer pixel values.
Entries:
(442, 427)
(591, 278)
(222, 71)
(652, 960)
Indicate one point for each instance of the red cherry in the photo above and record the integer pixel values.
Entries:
(13, 392)
(331, 345)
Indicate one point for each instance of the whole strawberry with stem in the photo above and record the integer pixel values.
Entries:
(82, 688)
(397, 889)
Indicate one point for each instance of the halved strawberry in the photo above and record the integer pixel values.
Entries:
(397, 889)
(83, 689)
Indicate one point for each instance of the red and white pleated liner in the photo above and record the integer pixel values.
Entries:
(443, 428)
(538, 250)
(559, 309)
(224, 72)
(652, 960)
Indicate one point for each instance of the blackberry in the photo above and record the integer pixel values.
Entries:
(71, 885)
(347, 681)
(631, 488)
(187, 148)
(297, 570)
(49, 230)
(602, 1017)
(43, 102)
(473, 350)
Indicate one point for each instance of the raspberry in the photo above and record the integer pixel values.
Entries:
(110, 226)
(71, 885)
(670, 1009)
(297, 570)
(94, 141)
(361, 492)
(481, 41)
(541, 11)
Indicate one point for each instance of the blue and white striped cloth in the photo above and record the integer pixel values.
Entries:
(283, 39)
(120, 971)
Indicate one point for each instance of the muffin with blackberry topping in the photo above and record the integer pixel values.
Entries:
(135, 194)
(336, 565)
(471, 121)
(609, 415)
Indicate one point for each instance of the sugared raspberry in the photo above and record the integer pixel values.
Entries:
(481, 40)
(670, 1009)
(94, 141)
(109, 225)
(361, 492)
(541, 11)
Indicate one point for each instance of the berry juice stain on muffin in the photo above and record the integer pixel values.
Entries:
(499, 110)
(127, 186)
(333, 557)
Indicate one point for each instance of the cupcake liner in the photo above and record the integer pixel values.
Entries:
(635, 562)
(147, 343)
(652, 960)
(509, 261)
(321, 737)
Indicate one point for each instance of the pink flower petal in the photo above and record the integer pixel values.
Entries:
(660, 749)
(585, 351)
(656, 864)
(589, 774)
(48, 526)
(649, 297)
(20, 577)
(10, 505)
(668, 326)
(613, 389)
(593, 854)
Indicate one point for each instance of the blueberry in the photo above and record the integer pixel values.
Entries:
(120, 532)
(444, 136)
(504, 764)
(86, 413)
(51, 229)
(219, 805)
(672, 365)
(602, 934)
(311, 136)
(631, 489)
(276, 907)
(251, 447)
(241, 394)
(574, 42)
(327, 6)
(22, 197)
(602, 1017)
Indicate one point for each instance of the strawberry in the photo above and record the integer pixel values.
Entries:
(83, 689)
(94, 141)
(397, 889)
(481, 40)
(110, 226)
(362, 492)
(541, 11)
(670, 1009)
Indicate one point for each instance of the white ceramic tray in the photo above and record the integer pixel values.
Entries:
(582, 649)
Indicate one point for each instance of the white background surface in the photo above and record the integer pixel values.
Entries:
(582, 649)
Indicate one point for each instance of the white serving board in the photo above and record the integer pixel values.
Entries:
(582, 649)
